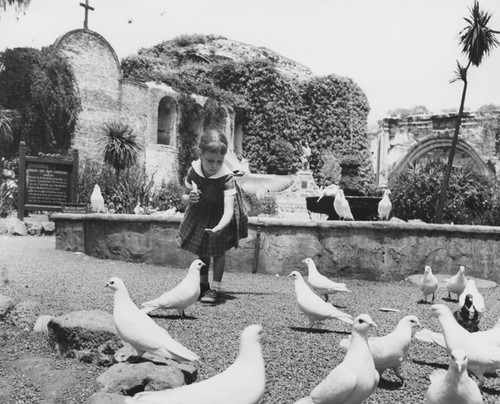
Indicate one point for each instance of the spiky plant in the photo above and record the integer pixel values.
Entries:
(120, 146)
(477, 40)
(8, 121)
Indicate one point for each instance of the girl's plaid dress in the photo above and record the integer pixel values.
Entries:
(208, 211)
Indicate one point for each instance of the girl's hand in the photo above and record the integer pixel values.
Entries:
(194, 197)
(215, 230)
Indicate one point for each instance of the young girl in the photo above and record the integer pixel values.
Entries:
(215, 217)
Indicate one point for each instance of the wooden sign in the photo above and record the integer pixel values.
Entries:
(46, 183)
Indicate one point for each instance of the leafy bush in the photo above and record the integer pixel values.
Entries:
(169, 196)
(189, 39)
(470, 199)
(330, 171)
(264, 205)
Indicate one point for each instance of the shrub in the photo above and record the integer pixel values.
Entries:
(470, 198)
(264, 205)
(168, 197)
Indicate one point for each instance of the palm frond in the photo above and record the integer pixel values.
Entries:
(477, 39)
(460, 73)
(120, 145)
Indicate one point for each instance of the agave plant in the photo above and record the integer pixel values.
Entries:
(120, 146)
(8, 122)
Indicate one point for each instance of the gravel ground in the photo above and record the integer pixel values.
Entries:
(297, 359)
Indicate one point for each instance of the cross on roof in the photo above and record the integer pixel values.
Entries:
(87, 8)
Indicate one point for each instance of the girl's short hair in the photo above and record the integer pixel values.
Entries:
(213, 141)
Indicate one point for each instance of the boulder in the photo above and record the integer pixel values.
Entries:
(41, 324)
(131, 378)
(189, 370)
(25, 314)
(6, 305)
(16, 227)
(33, 228)
(84, 335)
(49, 228)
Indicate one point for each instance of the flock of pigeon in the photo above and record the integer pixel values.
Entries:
(355, 378)
(343, 209)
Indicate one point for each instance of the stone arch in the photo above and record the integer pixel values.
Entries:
(430, 144)
(167, 118)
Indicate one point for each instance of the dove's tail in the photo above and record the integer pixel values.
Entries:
(305, 400)
(147, 309)
(346, 318)
(427, 335)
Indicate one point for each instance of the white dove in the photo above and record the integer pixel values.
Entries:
(453, 386)
(320, 283)
(355, 378)
(391, 350)
(138, 210)
(257, 183)
(139, 330)
(456, 284)
(330, 190)
(428, 283)
(96, 200)
(490, 336)
(313, 306)
(181, 296)
(385, 206)
(341, 206)
(477, 298)
(243, 382)
(483, 358)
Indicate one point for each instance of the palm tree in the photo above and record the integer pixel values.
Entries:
(120, 146)
(477, 41)
(20, 5)
(8, 121)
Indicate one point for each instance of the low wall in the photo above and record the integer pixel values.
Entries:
(366, 250)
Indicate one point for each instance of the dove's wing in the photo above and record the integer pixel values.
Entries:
(336, 387)
(262, 183)
(427, 335)
(322, 283)
(181, 296)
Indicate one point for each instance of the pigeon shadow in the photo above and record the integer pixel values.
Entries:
(424, 302)
(172, 317)
(448, 299)
(311, 330)
(389, 384)
(431, 364)
(253, 293)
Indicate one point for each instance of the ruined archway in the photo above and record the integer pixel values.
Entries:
(432, 144)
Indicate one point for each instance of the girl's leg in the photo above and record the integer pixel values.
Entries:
(219, 264)
(204, 284)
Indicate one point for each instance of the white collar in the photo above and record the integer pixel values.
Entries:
(223, 170)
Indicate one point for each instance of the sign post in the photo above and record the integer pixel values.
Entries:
(46, 183)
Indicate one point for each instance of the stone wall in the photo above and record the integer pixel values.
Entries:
(384, 251)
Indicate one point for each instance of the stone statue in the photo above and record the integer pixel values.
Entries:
(306, 156)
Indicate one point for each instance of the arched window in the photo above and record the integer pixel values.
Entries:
(167, 116)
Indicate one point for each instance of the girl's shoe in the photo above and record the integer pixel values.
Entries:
(212, 296)
(204, 288)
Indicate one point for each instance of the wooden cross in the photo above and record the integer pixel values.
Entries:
(87, 8)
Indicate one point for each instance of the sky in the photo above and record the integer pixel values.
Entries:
(402, 53)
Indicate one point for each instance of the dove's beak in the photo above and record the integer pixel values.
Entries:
(373, 324)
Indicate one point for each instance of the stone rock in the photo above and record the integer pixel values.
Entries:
(6, 305)
(106, 398)
(131, 378)
(25, 314)
(81, 334)
(49, 228)
(41, 324)
(189, 370)
(33, 228)
(3, 227)
(16, 227)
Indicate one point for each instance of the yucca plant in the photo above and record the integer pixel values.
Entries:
(8, 121)
(477, 40)
(120, 146)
